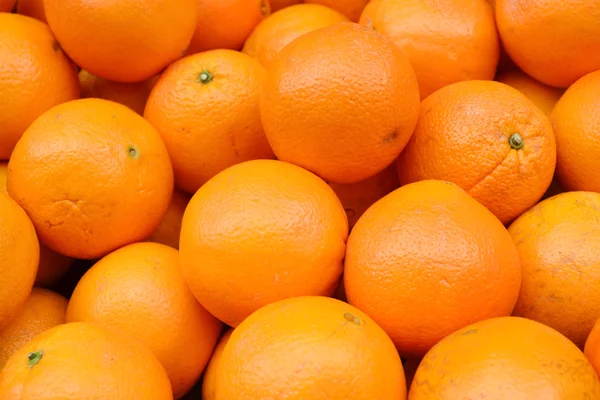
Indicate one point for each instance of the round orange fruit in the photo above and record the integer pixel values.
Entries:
(93, 176)
(350, 8)
(505, 358)
(592, 347)
(7, 5)
(543, 96)
(446, 41)
(169, 228)
(83, 361)
(125, 41)
(32, 8)
(209, 382)
(310, 348)
(489, 139)
(206, 108)
(428, 259)
(344, 91)
(258, 232)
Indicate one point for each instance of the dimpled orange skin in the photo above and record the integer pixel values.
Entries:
(559, 245)
(84, 361)
(428, 259)
(19, 257)
(225, 24)
(93, 176)
(463, 136)
(542, 95)
(209, 122)
(350, 8)
(576, 123)
(279, 29)
(505, 358)
(138, 290)
(209, 383)
(43, 310)
(345, 91)
(555, 42)
(259, 232)
(35, 75)
(592, 347)
(310, 348)
(122, 40)
(170, 227)
(279, 4)
(32, 8)
(460, 35)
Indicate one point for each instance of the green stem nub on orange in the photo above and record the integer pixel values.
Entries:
(132, 151)
(352, 318)
(516, 141)
(205, 77)
(34, 358)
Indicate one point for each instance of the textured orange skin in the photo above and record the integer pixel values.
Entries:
(542, 95)
(84, 361)
(314, 348)
(35, 75)
(592, 347)
(208, 127)
(43, 310)
(350, 8)
(139, 290)
(169, 228)
(73, 173)
(133, 95)
(259, 232)
(428, 259)
(358, 197)
(505, 358)
(19, 257)
(279, 4)
(279, 29)
(556, 42)
(225, 24)
(344, 91)
(122, 40)
(576, 123)
(33, 9)
(559, 246)
(209, 383)
(7, 5)
(446, 41)
(463, 137)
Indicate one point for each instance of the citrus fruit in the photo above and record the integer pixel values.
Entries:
(7, 5)
(309, 347)
(83, 361)
(505, 358)
(543, 96)
(350, 8)
(489, 139)
(32, 8)
(226, 24)
(35, 75)
(576, 123)
(344, 91)
(446, 41)
(426, 260)
(125, 41)
(556, 42)
(258, 232)
(592, 347)
(138, 290)
(92, 175)
(279, 4)
(43, 310)
(280, 28)
(205, 106)
(170, 227)
(209, 382)
(559, 246)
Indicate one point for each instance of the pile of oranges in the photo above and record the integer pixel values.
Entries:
(299, 200)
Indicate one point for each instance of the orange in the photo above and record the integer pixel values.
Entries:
(358, 197)
(209, 382)
(310, 348)
(139, 290)
(350, 8)
(7, 5)
(83, 361)
(428, 259)
(576, 123)
(446, 41)
(505, 358)
(279, 4)
(543, 96)
(489, 139)
(559, 246)
(555, 42)
(344, 91)
(133, 95)
(592, 347)
(280, 28)
(259, 232)
(205, 106)
(19, 250)
(43, 310)
(125, 41)
(169, 228)
(32, 8)
(93, 176)
(226, 24)
(35, 75)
